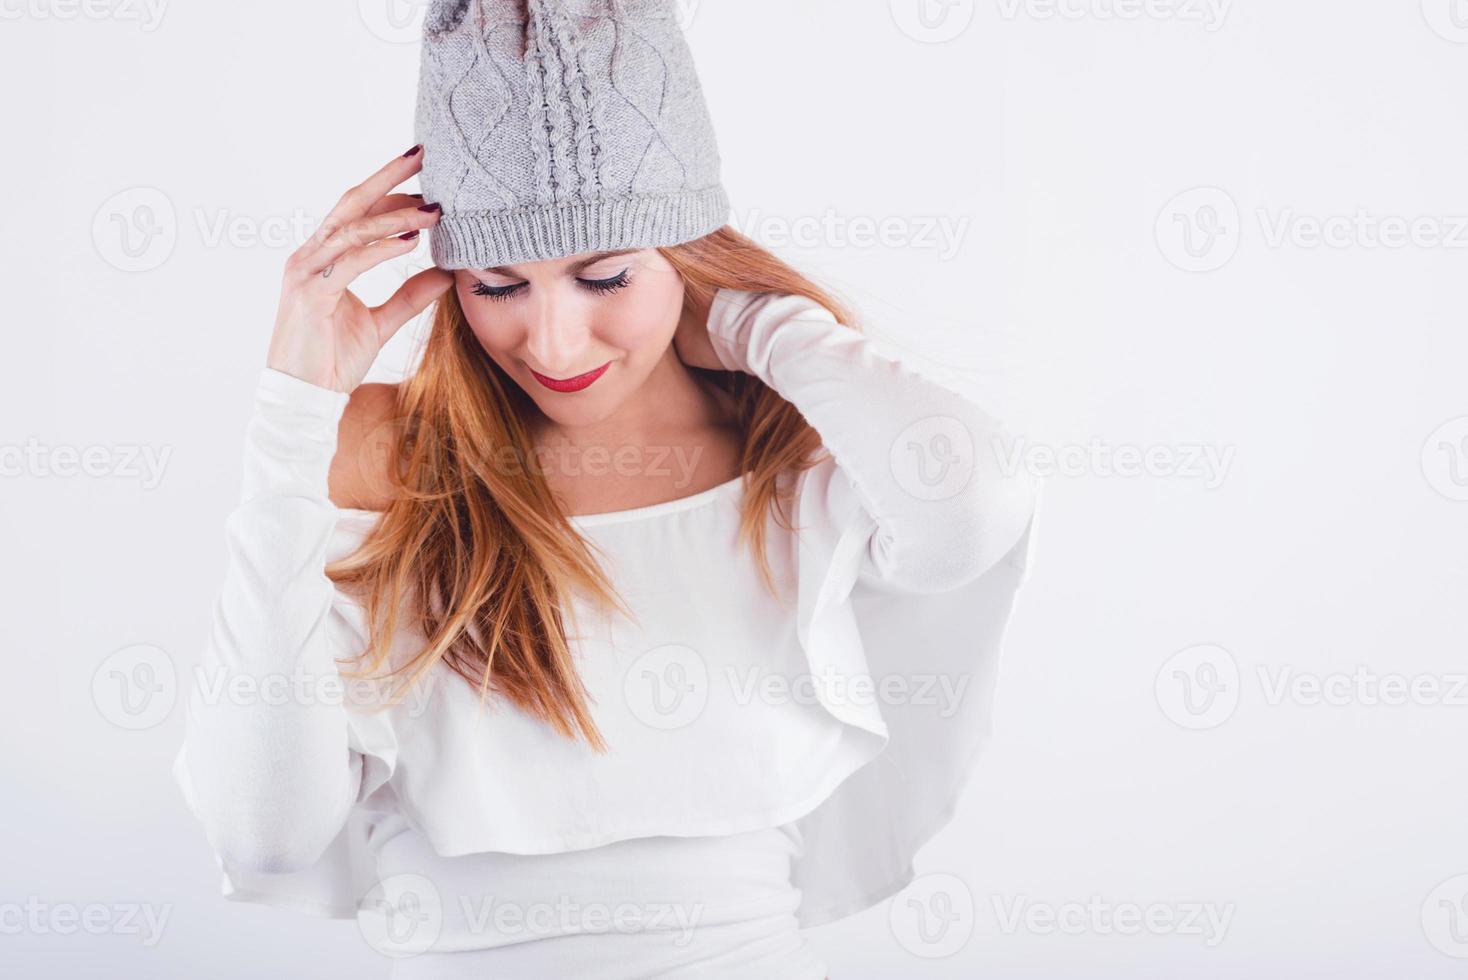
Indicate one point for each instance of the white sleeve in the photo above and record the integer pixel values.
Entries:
(266, 760)
(926, 462)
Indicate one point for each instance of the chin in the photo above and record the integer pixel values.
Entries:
(586, 407)
(562, 412)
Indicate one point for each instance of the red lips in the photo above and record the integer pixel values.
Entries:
(571, 384)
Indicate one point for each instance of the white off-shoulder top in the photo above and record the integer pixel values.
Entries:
(671, 855)
(851, 709)
(704, 701)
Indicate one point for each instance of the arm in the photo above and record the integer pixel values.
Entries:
(272, 776)
(925, 461)
(267, 764)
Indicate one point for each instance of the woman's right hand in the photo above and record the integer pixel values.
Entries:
(323, 333)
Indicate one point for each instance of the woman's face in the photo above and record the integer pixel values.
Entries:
(552, 325)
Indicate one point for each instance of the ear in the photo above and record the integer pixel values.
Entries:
(697, 301)
(691, 341)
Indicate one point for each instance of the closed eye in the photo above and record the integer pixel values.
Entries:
(619, 281)
(497, 292)
(599, 286)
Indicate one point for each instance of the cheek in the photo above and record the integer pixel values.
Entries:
(646, 317)
(642, 329)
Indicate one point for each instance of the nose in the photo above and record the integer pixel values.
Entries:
(557, 338)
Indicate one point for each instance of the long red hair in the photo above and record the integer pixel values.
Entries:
(478, 556)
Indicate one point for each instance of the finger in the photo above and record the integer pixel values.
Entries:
(365, 231)
(340, 274)
(395, 202)
(359, 199)
(411, 299)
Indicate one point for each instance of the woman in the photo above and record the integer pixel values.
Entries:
(642, 584)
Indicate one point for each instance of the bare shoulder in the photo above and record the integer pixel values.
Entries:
(358, 476)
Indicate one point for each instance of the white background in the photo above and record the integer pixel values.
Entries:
(1084, 301)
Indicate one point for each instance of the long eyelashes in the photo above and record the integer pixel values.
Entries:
(496, 292)
(619, 281)
(599, 286)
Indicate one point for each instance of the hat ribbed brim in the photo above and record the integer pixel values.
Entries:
(488, 239)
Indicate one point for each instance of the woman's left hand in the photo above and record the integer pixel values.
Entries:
(691, 340)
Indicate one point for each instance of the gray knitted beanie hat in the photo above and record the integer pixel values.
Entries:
(555, 127)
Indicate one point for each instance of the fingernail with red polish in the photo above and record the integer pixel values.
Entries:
(410, 235)
(418, 196)
(430, 208)
(414, 151)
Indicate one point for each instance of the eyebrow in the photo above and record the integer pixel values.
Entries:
(595, 257)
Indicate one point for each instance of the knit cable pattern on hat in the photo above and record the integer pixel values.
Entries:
(554, 127)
